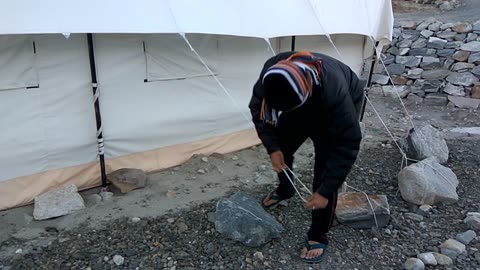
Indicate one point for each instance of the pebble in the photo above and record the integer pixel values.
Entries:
(442, 259)
(258, 255)
(118, 260)
(182, 227)
(427, 258)
(413, 216)
(205, 159)
(171, 220)
(414, 264)
(135, 219)
(235, 158)
(466, 237)
(19, 251)
(425, 208)
(452, 248)
(106, 196)
(201, 171)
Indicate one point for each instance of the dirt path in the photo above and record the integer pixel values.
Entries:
(469, 11)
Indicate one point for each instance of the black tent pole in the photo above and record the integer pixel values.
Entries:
(369, 82)
(98, 117)
(293, 43)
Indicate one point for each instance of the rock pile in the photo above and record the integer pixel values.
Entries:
(433, 61)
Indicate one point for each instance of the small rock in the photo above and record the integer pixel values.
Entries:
(413, 216)
(473, 221)
(454, 90)
(380, 79)
(396, 69)
(442, 259)
(427, 258)
(430, 59)
(205, 159)
(445, 52)
(58, 202)
(475, 92)
(461, 67)
(436, 43)
(446, 35)
(399, 80)
(460, 37)
(452, 248)
(436, 99)
(415, 73)
(463, 102)
(419, 43)
(408, 61)
(425, 208)
(476, 26)
(445, 26)
(201, 171)
(19, 251)
(461, 56)
(235, 158)
(473, 46)
(446, 6)
(404, 51)
(428, 182)
(170, 220)
(391, 91)
(453, 44)
(106, 196)
(182, 227)
(127, 179)
(414, 264)
(471, 37)
(258, 255)
(435, 74)
(426, 33)
(406, 43)
(135, 219)
(353, 209)
(408, 25)
(474, 58)
(171, 193)
(466, 237)
(462, 78)
(118, 260)
(431, 65)
(435, 26)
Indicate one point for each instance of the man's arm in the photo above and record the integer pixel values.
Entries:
(344, 136)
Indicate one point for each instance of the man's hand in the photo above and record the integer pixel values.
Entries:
(316, 201)
(278, 161)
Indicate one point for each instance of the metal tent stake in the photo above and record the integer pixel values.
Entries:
(98, 116)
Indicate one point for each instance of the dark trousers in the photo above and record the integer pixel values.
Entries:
(293, 134)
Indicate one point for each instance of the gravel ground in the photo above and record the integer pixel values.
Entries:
(187, 239)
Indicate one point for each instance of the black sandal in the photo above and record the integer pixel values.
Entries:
(276, 198)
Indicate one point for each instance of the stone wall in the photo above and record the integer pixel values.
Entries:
(433, 62)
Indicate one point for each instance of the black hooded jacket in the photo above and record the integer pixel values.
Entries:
(332, 110)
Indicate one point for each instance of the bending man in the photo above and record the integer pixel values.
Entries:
(302, 95)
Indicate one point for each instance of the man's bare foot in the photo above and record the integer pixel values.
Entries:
(313, 253)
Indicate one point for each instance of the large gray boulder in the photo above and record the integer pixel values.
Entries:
(241, 218)
(354, 210)
(428, 182)
(57, 202)
(425, 142)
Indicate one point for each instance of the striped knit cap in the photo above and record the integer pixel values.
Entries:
(288, 85)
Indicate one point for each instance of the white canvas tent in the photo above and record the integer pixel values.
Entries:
(159, 104)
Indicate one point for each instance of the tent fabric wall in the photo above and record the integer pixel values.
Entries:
(17, 58)
(49, 127)
(148, 125)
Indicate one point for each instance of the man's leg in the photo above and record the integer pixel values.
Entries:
(322, 219)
